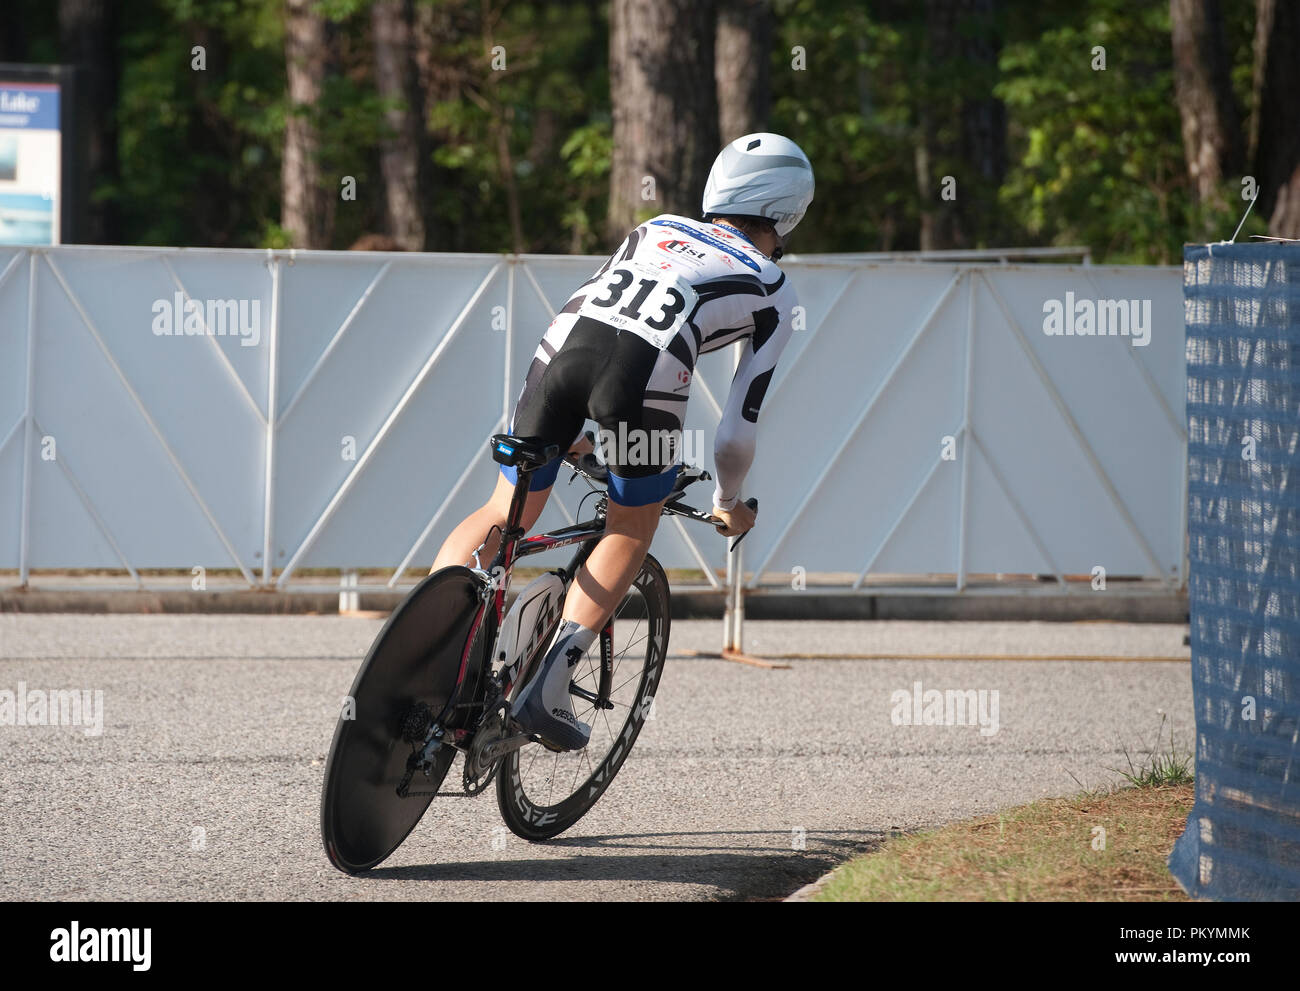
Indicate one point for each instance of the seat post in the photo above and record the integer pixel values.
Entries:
(525, 455)
(510, 536)
(517, 501)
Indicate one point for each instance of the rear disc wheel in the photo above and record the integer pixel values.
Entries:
(407, 679)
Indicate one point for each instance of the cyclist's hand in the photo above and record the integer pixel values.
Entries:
(738, 519)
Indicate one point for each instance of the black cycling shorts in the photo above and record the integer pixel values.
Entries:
(602, 375)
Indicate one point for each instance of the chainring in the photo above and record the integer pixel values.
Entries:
(476, 777)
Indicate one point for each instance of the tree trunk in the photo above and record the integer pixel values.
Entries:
(1275, 126)
(743, 68)
(14, 33)
(87, 38)
(1203, 87)
(306, 207)
(664, 108)
(961, 126)
(984, 117)
(442, 76)
(401, 154)
(217, 218)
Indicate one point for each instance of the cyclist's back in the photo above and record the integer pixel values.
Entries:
(622, 352)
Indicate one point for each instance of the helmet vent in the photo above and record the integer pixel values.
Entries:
(753, 144)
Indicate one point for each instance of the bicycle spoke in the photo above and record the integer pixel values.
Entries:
(635, 627)
(624, 651)
(565, 786)
(536, 752)
(628, 682)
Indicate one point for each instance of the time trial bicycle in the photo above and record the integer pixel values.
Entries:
(440, 679)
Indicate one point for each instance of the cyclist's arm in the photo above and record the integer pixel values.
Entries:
(733, 448)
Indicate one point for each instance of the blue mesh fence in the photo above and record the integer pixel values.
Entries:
(1242, 304)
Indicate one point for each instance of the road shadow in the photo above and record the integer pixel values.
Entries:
(740, 871)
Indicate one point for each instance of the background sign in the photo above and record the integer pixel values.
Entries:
(30, 162)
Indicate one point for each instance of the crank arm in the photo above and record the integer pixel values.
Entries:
(493, 752)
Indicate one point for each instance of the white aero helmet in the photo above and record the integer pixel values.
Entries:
(761, 175)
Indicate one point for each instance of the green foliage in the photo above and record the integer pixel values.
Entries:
(274, 236)
(1094, 157)
(589, 152)
(199, 150)
(552, 100)
(1097, 154)
(850, 110)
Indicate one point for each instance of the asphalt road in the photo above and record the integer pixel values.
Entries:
(205, 780)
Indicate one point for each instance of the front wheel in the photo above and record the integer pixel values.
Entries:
(542, 793)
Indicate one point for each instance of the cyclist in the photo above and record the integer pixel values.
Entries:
(622, 352)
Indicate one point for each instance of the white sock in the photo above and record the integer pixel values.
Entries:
(577, 634)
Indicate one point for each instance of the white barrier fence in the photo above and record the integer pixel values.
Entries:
(274, 411)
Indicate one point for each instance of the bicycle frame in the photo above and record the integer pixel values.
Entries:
(515, 546)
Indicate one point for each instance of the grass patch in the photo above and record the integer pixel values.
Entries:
(1037, 852)
(1160, 768)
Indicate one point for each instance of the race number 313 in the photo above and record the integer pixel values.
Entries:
(642, 299)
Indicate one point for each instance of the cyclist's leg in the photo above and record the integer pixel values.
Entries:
(607, 575)
(545, 707)
(544, 410)
(623, 397)
(461, 543)
(640, 403)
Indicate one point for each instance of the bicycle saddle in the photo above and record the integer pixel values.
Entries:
(527, 453)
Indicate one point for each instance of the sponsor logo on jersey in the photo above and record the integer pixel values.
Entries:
(679, 247)
(710, 240)
(683, 377)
